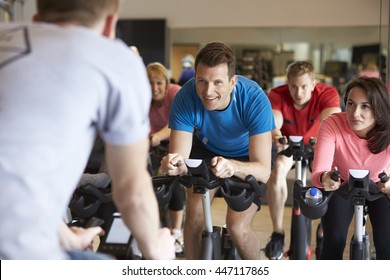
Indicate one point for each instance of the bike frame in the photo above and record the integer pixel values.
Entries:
(357, 189)
(359, 248)
(300, 234)
(211, 236)
(211, 241)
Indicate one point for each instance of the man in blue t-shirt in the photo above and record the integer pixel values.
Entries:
(231, 120)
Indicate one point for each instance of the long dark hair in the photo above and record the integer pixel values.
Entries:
(379, 99)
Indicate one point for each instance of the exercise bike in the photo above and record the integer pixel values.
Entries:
(301, 226)
(91, 206)
(237, 193)
(357, 189)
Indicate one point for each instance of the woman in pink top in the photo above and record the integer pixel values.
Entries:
(162, 96)
(355, 139)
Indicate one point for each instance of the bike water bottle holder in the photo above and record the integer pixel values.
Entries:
(310, 211)
(358, 189)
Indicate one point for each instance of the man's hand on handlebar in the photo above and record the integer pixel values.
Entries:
(173, 165)
(222, 167)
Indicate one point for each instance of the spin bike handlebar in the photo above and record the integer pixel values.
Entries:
(359, 187)
(238, 194)
(296, 148)
(163, 187)
(87, 200)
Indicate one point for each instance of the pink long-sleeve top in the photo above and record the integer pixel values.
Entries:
(159, 117)
(337, 145)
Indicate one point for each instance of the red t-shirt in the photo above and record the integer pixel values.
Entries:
(304, 122)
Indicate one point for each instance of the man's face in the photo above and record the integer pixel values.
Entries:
(213, 86)
(300, 89)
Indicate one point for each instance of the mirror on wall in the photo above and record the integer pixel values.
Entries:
(337, 53)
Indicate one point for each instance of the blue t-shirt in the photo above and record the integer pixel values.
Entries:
(225, 132)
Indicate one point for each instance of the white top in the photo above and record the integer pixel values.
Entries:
(58, 88)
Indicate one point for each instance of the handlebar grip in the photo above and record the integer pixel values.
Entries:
(335, 175)
(254, 183)
(282, 140)
(383, 177)
(94, 222)
(312, 141)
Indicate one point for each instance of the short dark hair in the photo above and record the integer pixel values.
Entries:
(216, 53)
(82, 12)
(379, 99)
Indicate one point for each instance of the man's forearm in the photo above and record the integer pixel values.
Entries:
(139, 210)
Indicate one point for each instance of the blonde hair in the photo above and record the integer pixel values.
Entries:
(159, 69)
(82, 12)
(299, 68)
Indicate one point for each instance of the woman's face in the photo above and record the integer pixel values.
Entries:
(359, 112)
(159, 86)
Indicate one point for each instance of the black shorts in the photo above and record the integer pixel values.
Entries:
(198, 151)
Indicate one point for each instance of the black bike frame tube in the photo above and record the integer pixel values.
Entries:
(300, 225)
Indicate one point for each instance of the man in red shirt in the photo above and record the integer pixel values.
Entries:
(298, 107)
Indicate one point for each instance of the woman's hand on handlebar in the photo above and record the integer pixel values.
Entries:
(222, 167)
(384, 187)
(384, 183)
(173, 164)
(331, 180)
